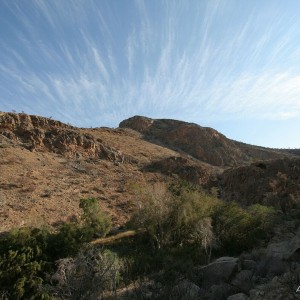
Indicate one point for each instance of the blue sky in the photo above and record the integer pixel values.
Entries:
(233, 65)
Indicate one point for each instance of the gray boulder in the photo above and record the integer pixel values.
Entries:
(248, 264)
(219, 291)
(220, 271)
(286, 249)
(186, 290)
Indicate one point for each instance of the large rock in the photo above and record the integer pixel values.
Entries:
(286, 249)
(221, 270)
(44, 134)
(186, 290)
(219, 291)
(271, 266)
(248, 264)
(272, 182)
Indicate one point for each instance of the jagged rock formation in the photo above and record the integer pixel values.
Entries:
(42, 134)
(145, 146)
(203, 143)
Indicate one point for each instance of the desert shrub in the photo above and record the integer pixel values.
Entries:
(238, 229)
(27, 254)
(4, 295)
(23, 261)
(90, 273)
(96, 223)
(264, 216)
(176, 217)
(67, 241)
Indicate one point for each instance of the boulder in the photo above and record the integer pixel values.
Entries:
(248, 264)
(286, 249)
(221, 270)
(219, 291)
(271, 266)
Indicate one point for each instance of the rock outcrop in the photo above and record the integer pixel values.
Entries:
(203, 143)
(184, 168)
(44, 134)
(274, 182)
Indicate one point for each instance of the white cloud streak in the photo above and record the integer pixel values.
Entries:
(186, 60)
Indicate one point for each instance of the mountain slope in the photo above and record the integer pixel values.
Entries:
(46, 166)
(203, 143)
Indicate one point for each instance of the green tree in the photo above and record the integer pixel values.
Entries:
(96, 223)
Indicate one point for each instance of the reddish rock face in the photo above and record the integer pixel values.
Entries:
(203, 143)
(42, 134)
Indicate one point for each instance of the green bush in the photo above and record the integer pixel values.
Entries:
(23, 261)
(96, 223)
(27, 254)
(175, 219)
(238, 229)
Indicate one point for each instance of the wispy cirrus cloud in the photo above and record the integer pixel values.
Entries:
(85, 61)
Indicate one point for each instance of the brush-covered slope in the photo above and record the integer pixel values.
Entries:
(203, 143)
(46, 167)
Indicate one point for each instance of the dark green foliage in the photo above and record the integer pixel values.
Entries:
(27, 254)
(238, 229)
(95, 222)
(67, 241)
(23, 261)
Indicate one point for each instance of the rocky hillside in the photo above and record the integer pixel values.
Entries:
(47, 166)
(273, 182)
(203, 143)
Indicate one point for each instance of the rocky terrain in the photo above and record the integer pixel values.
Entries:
(204, 144)
(48, 166)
